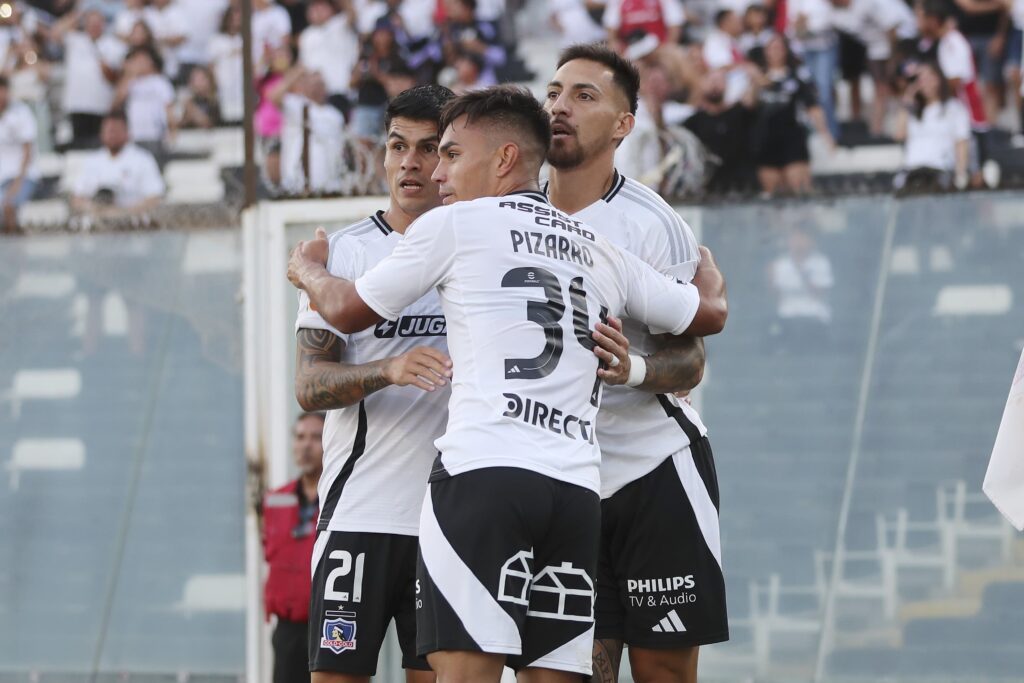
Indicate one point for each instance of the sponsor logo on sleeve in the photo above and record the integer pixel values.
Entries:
(412, 326)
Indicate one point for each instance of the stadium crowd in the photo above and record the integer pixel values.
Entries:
(731, 88)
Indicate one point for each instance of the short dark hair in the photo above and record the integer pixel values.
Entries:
(511, 106)
(624, 72)
(938, 9)
(422, 103)
(720, 16)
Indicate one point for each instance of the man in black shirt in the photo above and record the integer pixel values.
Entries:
(725, 132)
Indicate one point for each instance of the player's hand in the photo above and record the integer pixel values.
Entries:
(307, 255)
(423, 367)
(613, 349)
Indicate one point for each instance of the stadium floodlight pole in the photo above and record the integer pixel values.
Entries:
(249, 104)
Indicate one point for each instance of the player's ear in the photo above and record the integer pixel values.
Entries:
(506, 157)
(625, 126)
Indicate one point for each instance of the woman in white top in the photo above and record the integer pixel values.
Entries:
(225, 52)
(936, 130)
(148, 100)
(29, 76)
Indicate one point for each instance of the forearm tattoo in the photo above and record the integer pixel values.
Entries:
(607, 655)
(676, 366)
(322, 381)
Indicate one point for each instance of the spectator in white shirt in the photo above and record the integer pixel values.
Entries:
(226, 62)
(577, 22)
(170, 30)
(417, 17)
(936, 131)
(203, 18)
(312, 136)
(119, 180)
(92, 60)
(874, 25)
(29, 73)
(271, 28)
(330, 46)
(18, 174)
(18, 23)
(809, 25)
(147, 97)
(133, 12)
(721, 47)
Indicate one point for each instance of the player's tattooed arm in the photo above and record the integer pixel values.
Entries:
(607, 655)
(324, 382)
(677, 365)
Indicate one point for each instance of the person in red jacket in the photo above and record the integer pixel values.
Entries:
(289, 531)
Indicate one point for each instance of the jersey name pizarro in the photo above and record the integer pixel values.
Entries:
(522, 286)
(634, 429)
(378, 453)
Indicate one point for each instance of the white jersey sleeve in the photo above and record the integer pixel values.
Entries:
(345, 259)
(421, 262)
(661, 302)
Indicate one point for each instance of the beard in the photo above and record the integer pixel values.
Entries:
(567, 155)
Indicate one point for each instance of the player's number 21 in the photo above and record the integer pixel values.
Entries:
(330, 592)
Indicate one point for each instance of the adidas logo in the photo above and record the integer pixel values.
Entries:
(670, 624)
(514, 370)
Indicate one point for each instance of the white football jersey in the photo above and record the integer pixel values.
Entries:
(637, 429)
(522, 286)
(378, 453)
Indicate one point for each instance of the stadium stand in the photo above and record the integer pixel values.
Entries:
(120, 517)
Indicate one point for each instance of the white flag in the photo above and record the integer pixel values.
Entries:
(1004, 481)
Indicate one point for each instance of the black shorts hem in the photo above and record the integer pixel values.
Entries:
(416, 664)
(462, 646)
(693, 640)
(343, 669)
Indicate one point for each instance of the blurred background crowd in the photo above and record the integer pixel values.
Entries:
(738, 96)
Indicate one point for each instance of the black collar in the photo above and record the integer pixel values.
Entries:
(618, 180)
(382, 225)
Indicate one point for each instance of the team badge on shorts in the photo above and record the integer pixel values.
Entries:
(339, 632)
